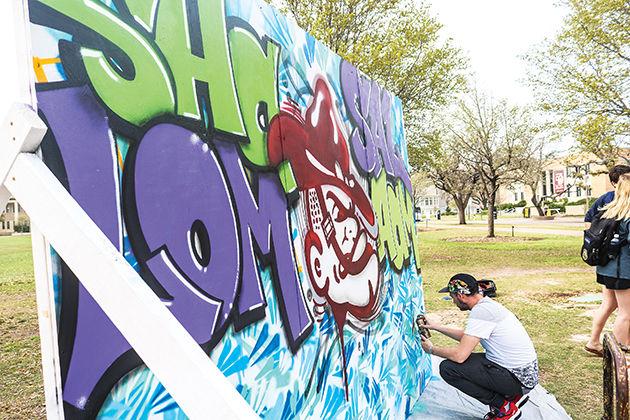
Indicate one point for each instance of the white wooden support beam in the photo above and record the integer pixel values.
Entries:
(160, 340)
(21, 131)
(47, 320)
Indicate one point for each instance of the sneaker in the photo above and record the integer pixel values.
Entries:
(492, 414)
(509, 410)
(519, 400)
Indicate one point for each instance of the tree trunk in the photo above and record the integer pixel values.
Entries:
(538, 204)
(461, 210)
(491, 202)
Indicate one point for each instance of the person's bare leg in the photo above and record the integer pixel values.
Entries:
(621, 329)
(601, 315)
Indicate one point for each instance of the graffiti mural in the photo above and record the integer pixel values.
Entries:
(257, 182)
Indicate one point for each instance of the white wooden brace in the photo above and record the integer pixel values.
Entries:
(160, 340)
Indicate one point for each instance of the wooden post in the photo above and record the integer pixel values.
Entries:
(615, 380)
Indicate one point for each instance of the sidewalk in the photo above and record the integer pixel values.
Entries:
(567, 225)
(518, 229)
(441, 401)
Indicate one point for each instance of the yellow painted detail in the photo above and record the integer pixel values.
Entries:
(38, 66)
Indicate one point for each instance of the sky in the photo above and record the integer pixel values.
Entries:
(494, 33)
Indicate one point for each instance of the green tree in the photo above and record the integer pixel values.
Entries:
(582, 76)
(395, 42)
(496, 140)
(531, 172)
(437, 159)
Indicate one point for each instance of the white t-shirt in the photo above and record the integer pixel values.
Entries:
(502, 336)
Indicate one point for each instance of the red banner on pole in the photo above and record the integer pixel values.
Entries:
(559, 182)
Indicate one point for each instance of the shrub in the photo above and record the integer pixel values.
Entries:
(577, 203)
(506, 206)
(560, 205)
(22, 226)
(449, 211)
(581, 202)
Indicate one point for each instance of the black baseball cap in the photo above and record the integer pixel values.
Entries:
(461, 283)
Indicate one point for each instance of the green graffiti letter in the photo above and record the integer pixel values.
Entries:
(173, 35)
(379, 201)
(399, 244)
(143, 11)
(397, 231)
(255, 75)
(150, 88)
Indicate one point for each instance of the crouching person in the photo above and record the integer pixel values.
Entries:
(506, 371)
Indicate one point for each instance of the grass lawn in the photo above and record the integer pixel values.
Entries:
(21, 387)
(535, 279)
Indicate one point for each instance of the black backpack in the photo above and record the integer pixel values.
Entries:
(601, 241)
(487, 287)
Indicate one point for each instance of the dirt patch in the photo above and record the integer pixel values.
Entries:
(498, 239)
(559, 300)
(451, 317)
(565, 306)
(561, 295)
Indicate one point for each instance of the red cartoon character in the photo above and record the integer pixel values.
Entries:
(340, 242)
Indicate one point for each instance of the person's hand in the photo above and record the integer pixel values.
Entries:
(432, 324)
(427, 345)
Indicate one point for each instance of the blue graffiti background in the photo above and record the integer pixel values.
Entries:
(387, 369)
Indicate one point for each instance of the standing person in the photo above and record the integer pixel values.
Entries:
(615, 275)
(509, 367)
(606, 198)
(609, 303)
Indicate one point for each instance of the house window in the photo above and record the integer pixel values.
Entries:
(578, 191)
(568, 192)
(522, 196)
(515, 196)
